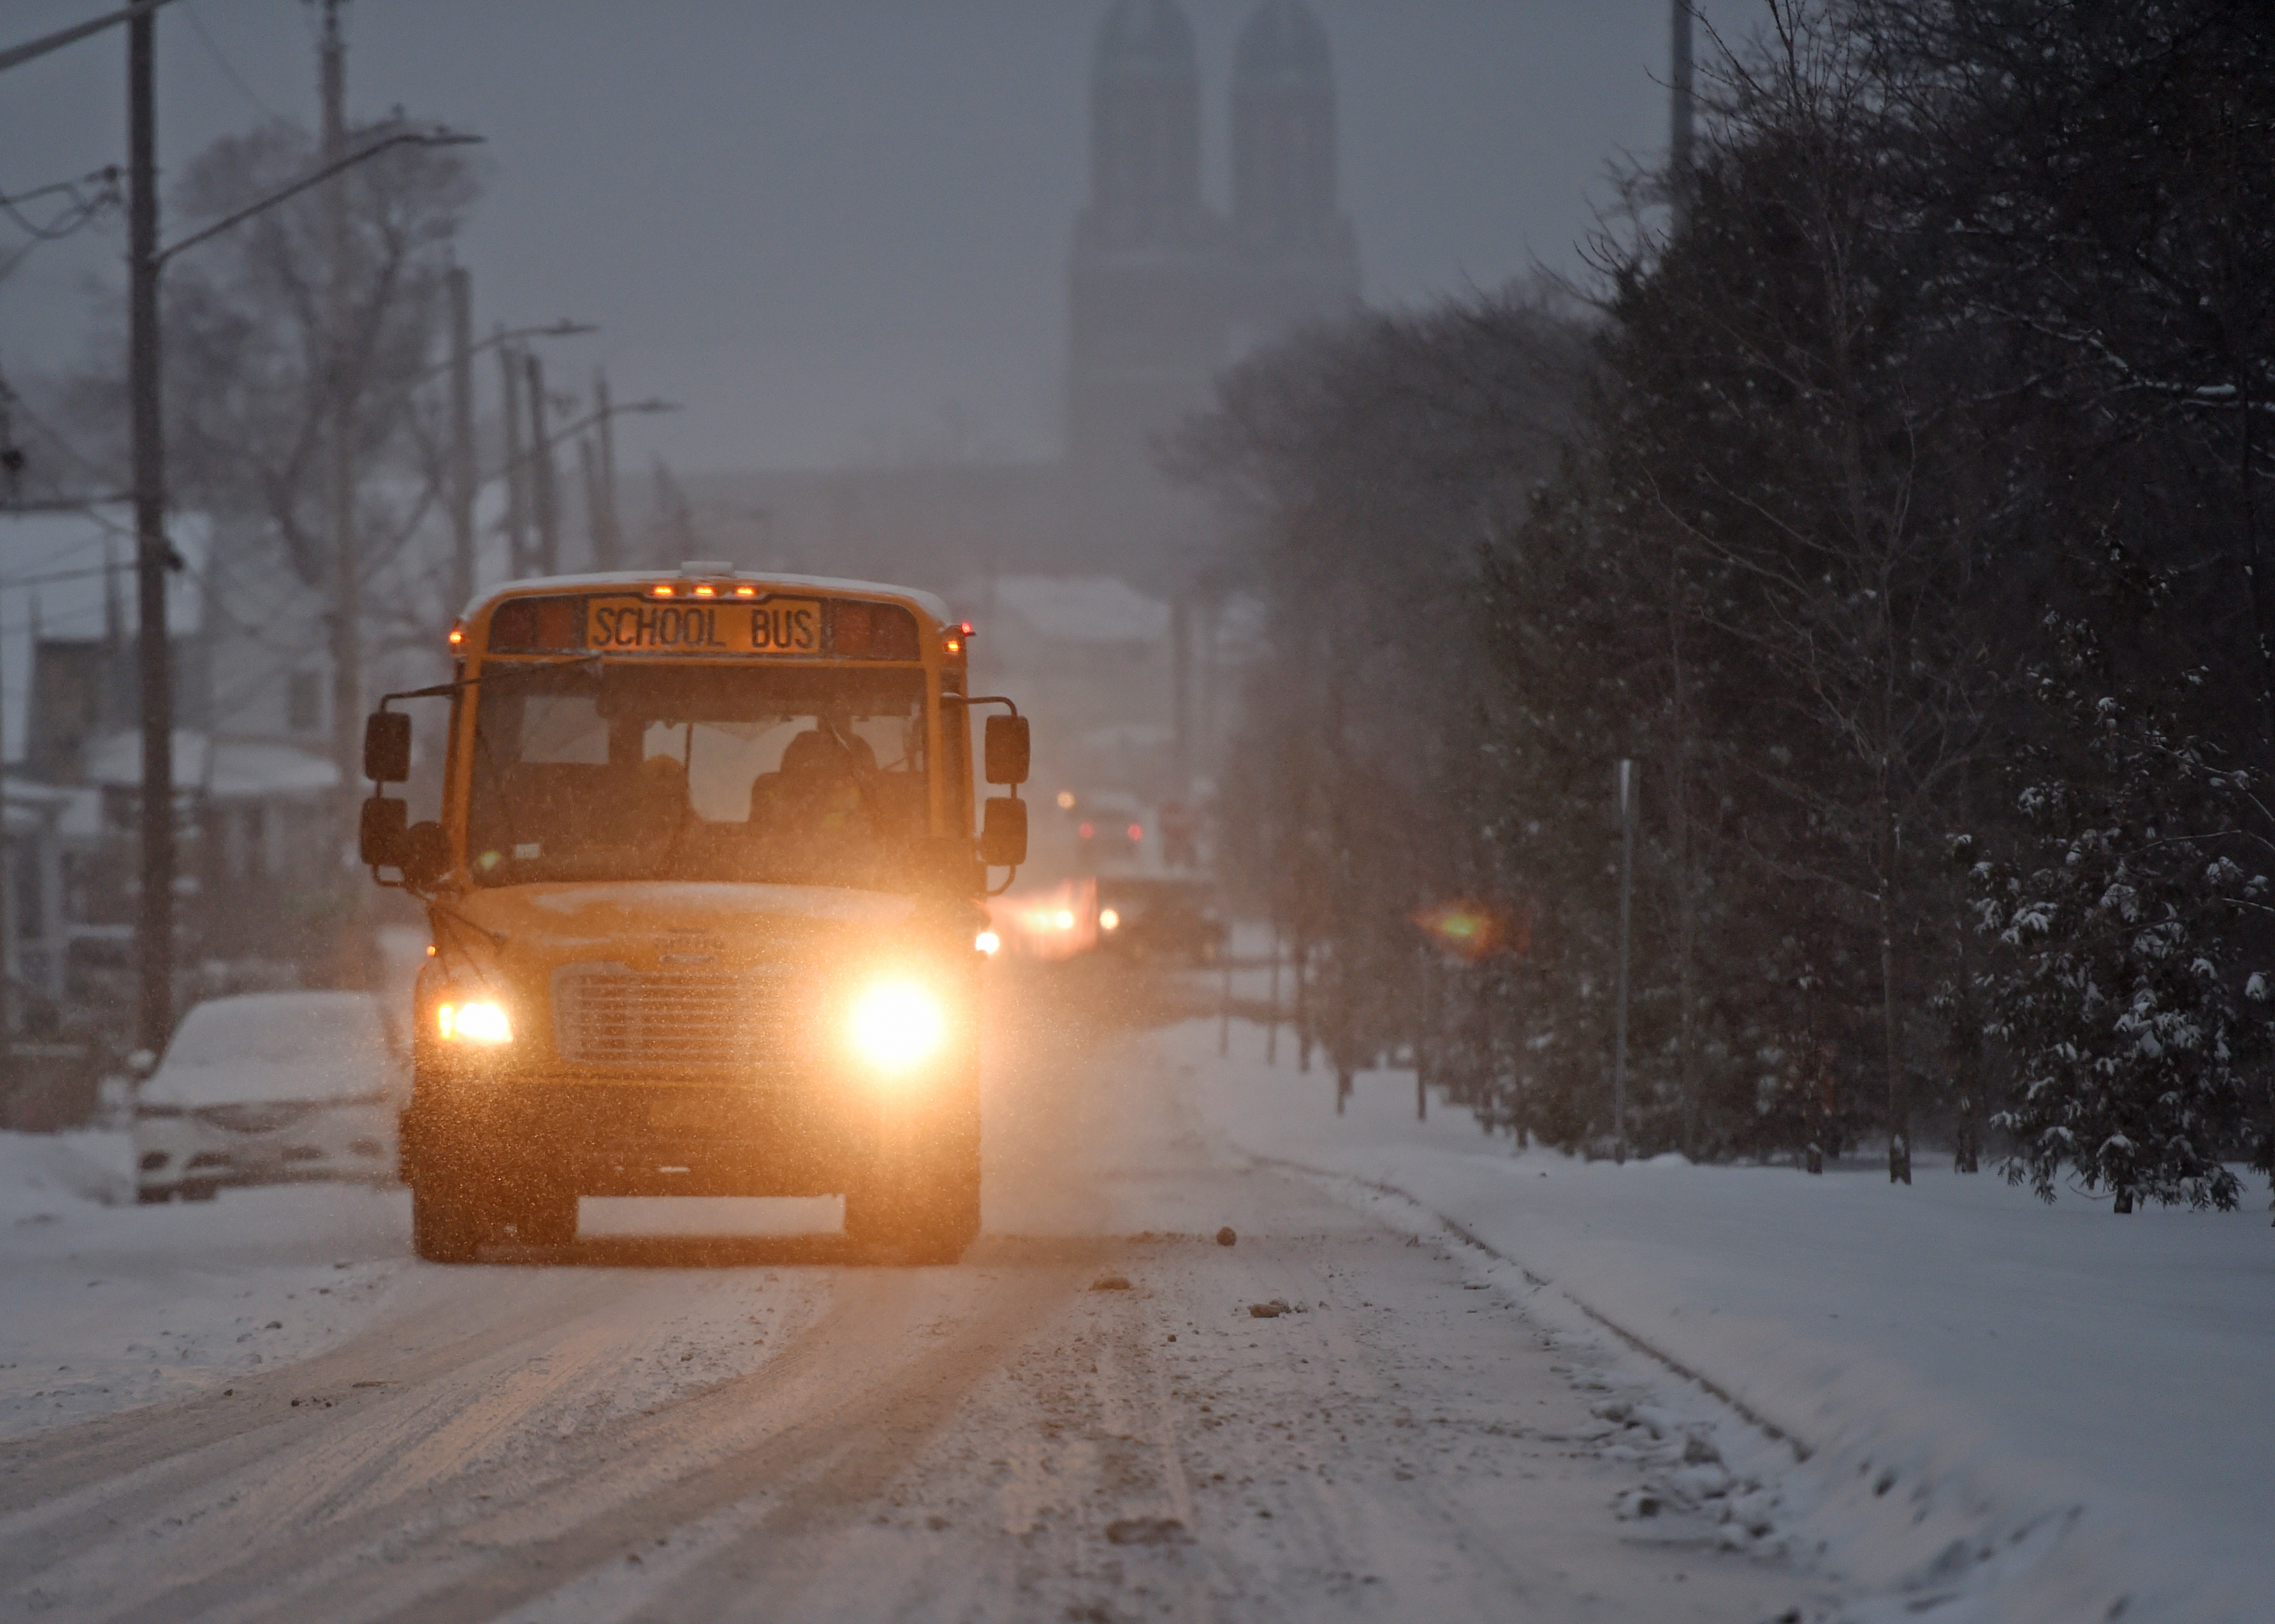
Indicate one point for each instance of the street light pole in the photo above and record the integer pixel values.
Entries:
(347, 572)
(462, 438)
(1679, 94)
(1626, 911)
(517, 506)
(153, 555)
(544, 495)
(537, 455)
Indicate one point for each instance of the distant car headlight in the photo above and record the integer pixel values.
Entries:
(1109, 920)
(478, 1021)
(897, 1024)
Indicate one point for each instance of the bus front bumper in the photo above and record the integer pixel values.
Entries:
(811, 1137)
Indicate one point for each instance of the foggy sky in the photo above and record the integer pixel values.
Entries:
(829, 227)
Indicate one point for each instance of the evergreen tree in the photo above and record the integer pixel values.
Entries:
(2125, 1005)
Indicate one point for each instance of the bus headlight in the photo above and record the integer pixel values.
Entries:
(897, 1024)
(480, 1020)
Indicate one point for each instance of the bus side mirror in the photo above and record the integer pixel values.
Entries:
(387, 747)
(1003, 833)
(384, 836)
(1007, 751)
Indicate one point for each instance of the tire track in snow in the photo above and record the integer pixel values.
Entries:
(870, 1439)
(318, 1567)
(44, 1467)
(474, 1545)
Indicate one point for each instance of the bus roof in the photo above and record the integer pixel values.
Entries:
(703, 569)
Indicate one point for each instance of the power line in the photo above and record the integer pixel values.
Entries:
(77, 212)
(227, 71)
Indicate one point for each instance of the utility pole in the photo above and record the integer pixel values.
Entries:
(1181, 656)
(153, 555)
(607, 535)
(1678, 139)
(347, 571)
(462, 475)
(588, 474)
(1627, 911)
(517, 509)
(542, 484)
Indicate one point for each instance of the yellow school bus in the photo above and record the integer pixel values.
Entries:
(706, 896)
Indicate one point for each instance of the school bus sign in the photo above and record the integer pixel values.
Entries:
(777, 626)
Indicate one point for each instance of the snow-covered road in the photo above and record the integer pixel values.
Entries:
(758, 1427)
(1996, 1410)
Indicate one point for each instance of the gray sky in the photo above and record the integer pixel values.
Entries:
(822, 225)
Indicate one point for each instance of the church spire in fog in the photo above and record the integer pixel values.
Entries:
(1283, 129)
(1164, 292)
(1145, 126)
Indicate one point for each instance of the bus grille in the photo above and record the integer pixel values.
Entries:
(611, 1015)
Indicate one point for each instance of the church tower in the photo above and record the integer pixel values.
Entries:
(1164, 292)
(1146, 127)
(1146, 280)
(1297, 252)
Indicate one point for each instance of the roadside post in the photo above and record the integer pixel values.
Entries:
(1627, 909)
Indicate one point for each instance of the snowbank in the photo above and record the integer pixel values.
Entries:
(104, 1304)
(2001, 1410)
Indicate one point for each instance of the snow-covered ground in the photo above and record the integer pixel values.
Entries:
(2001, 1410)
(104, 1304)
(1947, 1402)
(1166, 1383)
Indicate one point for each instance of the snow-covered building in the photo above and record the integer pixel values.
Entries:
(1088, 657)
(260, 854)
(254, 787)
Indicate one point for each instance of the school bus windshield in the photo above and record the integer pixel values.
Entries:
(790, 776)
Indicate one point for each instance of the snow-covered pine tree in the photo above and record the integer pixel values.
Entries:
(2120, 997)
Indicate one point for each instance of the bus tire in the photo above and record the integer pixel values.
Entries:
(446, 1221)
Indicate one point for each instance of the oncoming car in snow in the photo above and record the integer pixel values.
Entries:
(270, 1088)
(705, 896)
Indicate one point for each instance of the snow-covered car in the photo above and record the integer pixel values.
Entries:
(270, 1088)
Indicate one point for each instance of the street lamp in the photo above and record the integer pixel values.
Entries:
(153, 553)
(624, 409)
(542, 449)
(562, 329)
(459, 365)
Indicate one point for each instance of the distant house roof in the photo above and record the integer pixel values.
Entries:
(232, 770)
(71, 575)
(1081, 608)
